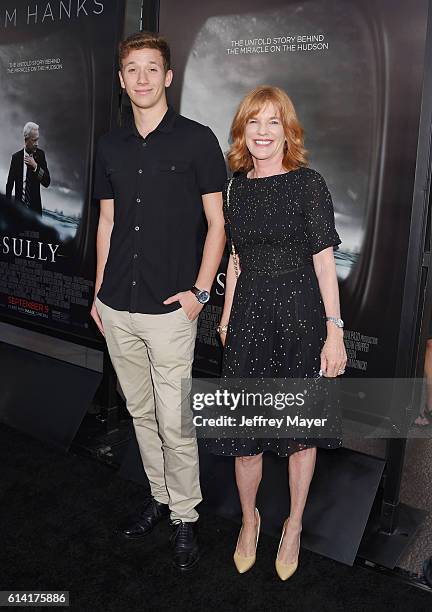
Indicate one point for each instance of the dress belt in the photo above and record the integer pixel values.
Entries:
(273, 273)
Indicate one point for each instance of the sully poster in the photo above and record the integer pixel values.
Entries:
(57, 65)
(354, 70)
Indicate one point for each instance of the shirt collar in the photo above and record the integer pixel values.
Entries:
(168, 121)
(166, 125)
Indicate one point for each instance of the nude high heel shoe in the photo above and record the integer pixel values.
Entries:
(243, 564)
(285, 570)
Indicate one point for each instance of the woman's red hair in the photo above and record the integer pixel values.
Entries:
(239, 158)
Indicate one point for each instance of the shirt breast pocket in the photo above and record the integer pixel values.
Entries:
(110, 171)
(172, 167)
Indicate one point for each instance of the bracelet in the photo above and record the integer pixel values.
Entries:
(222, 329)
(337, 321)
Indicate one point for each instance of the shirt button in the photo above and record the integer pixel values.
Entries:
(135, 255)
(138, 200)
(144, 144)
(137, 228)
(140, 171)
(133, 283)
(172, 167)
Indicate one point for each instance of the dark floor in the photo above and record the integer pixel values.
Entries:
(59, 514)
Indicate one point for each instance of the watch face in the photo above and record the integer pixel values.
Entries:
(203, 297)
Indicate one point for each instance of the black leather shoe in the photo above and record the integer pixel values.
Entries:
(143, 522)
(185, 544)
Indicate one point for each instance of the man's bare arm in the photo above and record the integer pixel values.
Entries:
(212, 255)
(215, 240)
(105, 226)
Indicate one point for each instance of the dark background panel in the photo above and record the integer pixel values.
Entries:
(33, 398)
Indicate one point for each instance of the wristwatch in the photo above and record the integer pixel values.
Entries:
(338, 322)
(201, 295)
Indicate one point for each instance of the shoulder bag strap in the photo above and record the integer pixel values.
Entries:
(233, 251)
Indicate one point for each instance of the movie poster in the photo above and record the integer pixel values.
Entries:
(57, 65)
(354, 70)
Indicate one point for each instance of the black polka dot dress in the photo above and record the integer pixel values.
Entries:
(277, 324)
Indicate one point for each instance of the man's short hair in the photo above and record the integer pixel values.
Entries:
(145, 40)
(29, 128)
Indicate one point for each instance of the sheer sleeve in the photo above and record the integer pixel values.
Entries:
(319, 214)
(228, 228)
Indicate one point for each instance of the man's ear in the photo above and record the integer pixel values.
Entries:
(121, 80)
(168, 78)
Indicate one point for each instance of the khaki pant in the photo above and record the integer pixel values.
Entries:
(151, 354)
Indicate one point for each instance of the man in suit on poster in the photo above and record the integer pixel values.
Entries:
(28, 171)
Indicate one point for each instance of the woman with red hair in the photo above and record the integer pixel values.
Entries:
(281, 317)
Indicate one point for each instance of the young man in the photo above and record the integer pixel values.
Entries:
(156, 262)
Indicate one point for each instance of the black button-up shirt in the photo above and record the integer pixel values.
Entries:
(159, 224)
